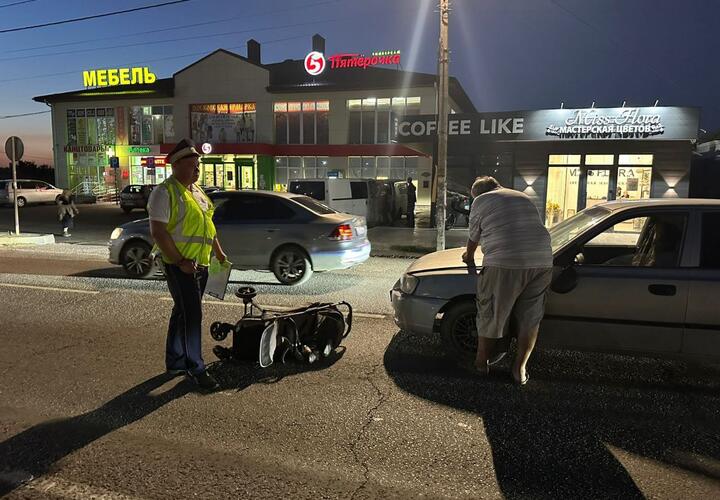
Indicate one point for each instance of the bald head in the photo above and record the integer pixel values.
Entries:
(484, 184)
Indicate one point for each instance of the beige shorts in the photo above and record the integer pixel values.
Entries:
(510, 299)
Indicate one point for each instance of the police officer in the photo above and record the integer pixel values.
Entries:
(182, 227)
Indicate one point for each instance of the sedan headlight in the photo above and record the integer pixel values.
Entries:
(408, 283)
(116, 233)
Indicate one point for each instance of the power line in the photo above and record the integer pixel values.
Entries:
(182, 39)
(96, 16)
(23, 114)
(193, 54)
(171, 28)
(16, 3)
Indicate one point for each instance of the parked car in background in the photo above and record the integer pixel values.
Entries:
(632, 277)
(135, 196)
(291, 235)
(211, 189)
(29, 191)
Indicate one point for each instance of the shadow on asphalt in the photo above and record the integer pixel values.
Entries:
(240, 374)
(35, 450)
(115, 272)
(549, 439)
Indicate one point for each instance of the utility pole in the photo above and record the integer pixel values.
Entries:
(443, 54)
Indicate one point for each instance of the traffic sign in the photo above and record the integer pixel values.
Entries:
(114, 162)
(19, 148)
(150, 162)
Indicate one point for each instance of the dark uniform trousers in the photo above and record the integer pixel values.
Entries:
(184, 340)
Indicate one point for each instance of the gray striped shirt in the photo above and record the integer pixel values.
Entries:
(508, 227)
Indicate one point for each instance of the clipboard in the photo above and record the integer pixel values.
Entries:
(218, 277)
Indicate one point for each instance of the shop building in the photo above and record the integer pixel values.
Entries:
(569, 159)
(259, 125)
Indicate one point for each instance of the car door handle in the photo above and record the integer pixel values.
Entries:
(663, 290)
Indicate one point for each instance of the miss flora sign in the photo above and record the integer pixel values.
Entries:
(656, 123)
(316, 62)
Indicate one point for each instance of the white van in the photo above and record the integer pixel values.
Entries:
(29, 191)
(349, 196)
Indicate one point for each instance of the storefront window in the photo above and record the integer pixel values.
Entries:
(564, 160)
(295, 167)
(92, 126)
(634, 183)
(599, 159)
(562, 194)
(226, 123)
(636, 159)
(382, 167)
(370, 119)
(151, 125)
(301, 122)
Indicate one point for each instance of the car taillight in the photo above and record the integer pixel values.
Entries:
(342, 232)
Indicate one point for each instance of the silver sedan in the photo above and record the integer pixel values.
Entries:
(291, 235)
(633, 277)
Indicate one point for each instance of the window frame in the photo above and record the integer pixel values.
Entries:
(570, 250)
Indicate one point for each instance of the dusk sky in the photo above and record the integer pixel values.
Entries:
(508, 54)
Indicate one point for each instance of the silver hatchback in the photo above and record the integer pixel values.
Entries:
(291, 235)
(640, 277)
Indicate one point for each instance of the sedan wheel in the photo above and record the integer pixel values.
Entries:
(458, 331)
(137, 260)
(291, 266)
(21, 202)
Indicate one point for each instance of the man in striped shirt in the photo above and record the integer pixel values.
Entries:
(516, 270)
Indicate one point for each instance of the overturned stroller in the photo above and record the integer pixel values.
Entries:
(305, 335)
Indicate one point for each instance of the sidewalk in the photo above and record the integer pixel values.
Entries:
(407, 242)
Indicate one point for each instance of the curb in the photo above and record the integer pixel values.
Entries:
(11, 239)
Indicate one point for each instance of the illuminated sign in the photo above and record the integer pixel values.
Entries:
(90, 148)
(118, 76)
(315, 61)
(206, 148)
(598, 123)
(139, 149)
(153, 161)
(224, 108)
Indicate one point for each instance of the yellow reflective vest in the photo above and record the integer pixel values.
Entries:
(191, 228)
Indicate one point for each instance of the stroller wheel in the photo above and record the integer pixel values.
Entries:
(219, 331)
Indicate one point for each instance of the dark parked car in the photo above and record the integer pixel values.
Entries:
(135, 196)
(291, 235)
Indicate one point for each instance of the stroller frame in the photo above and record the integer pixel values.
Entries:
(292, 344)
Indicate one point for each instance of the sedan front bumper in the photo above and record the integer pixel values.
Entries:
(415, 314)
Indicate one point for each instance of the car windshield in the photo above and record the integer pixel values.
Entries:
(314, 205)
(569, 228)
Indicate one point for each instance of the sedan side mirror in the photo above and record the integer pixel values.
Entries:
(566, 281)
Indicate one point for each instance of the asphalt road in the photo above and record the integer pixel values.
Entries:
(85, 411)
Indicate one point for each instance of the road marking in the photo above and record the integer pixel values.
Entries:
(50, 288)
(58, 487)
(280, 308)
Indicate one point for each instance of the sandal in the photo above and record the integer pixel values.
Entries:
(522, 382)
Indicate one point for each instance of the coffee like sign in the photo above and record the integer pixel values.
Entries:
(590, 123)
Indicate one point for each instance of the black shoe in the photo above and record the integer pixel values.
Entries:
(204, 381)
(175, 373)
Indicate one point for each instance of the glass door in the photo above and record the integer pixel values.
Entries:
(596, 186)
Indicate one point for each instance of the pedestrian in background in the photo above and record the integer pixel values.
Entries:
(67, 211)
(411, 199)
(516, 270)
